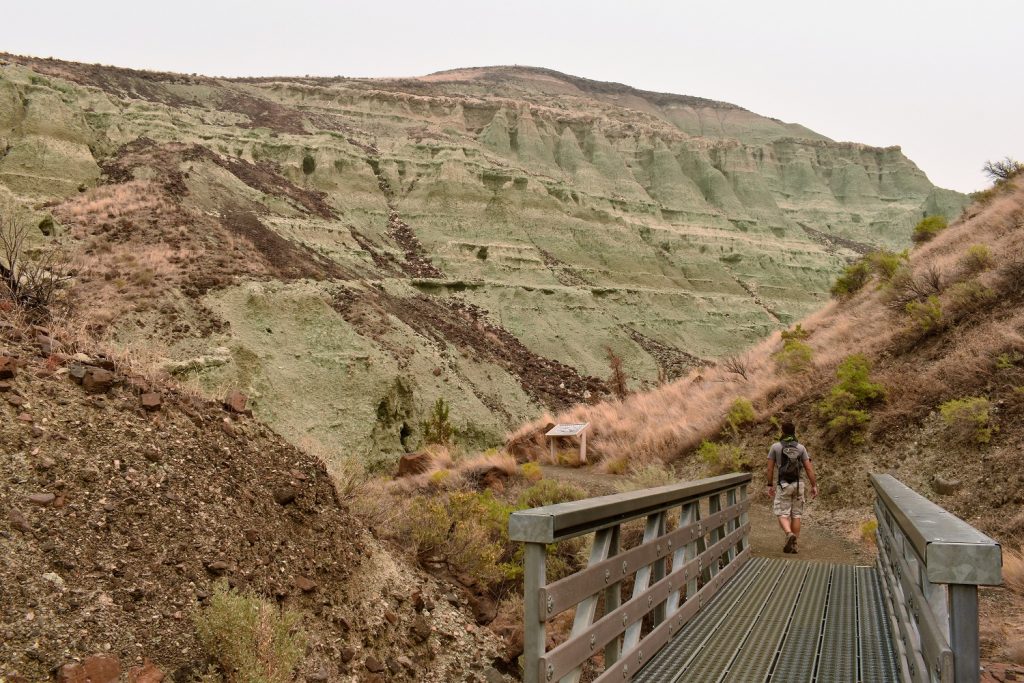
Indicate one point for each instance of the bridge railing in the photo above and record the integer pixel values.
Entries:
(694, 541)
(931, 564)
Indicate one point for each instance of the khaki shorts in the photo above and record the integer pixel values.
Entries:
(789, 500)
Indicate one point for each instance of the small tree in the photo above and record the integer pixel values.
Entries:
(31, 280)
(1001, 171)
(437, 429)
(618, 376)
(737, 365)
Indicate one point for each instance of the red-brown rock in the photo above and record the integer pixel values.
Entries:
(8, 367)
(305, 585)
(19, 522)
(235, 401)
(42, 499)
(98, 380)
(151, 401)
(147, 673)
(95, 669)
(413, 463)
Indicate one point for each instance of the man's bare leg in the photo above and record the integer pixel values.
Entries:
(795, 526)
(786, 524)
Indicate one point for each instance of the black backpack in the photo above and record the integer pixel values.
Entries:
(789, 463)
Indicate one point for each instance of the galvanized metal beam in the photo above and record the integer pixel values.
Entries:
(953, 551)
(558, 522)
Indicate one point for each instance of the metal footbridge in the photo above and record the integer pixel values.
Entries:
(672, 592)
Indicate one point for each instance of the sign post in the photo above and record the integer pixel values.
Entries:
(569, 430)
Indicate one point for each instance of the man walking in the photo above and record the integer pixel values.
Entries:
(786, 458)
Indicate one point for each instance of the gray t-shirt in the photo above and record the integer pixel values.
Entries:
(775, 453)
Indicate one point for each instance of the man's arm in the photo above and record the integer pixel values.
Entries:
(811, 477)
(771, 474)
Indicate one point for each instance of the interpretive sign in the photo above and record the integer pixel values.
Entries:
(569, 430)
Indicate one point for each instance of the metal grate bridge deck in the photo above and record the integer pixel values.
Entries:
(785, 621)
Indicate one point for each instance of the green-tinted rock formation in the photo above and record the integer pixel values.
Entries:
(483, 235)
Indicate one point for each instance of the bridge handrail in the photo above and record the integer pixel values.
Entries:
(931, 564)
(691, 562)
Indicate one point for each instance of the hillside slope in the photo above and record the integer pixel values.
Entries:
(941, 406)
(116, 521)
(349, 250)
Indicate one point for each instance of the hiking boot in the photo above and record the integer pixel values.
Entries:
(794, 547)
(790, 546)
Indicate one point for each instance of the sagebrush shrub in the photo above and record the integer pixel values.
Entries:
(845, 410)
(851, 280)
(549, 492)
(648, 476)
(250, 639)
(723, 458)
(929, 227)
(531, 471)
(977, 259)
(885, 264)
(968, 419)
(741, 412)
(794, 357)
(926, 314)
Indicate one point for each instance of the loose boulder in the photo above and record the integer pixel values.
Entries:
(151, 401)
(94, 669)
(413, 463)
(945, 487)
(8, 367)
(97, 380)
(235, 402)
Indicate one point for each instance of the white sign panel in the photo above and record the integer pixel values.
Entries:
(568, 429)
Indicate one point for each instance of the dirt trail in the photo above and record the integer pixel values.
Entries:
(817, 542)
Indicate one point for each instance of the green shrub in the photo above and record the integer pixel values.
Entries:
(968, 419)
(794, 357)
(926, 314)
(977, 259)
(971, 294)
(868, 530)
(1009, 360)
(648, 476)
(741, 412)
(468, 531)
(929, 227)
(845, 409)
(852, 279)
(437, 429)
(531, 471)
(723, 458)
(47, 226)
(308, 164)
(548, 492)
(885, 264)
(250, 639)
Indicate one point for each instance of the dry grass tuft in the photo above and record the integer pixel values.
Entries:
(1013, 570)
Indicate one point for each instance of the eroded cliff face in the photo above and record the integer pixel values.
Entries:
(349, 250)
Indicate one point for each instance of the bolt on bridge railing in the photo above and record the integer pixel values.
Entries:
(694, 541)
(931, 564)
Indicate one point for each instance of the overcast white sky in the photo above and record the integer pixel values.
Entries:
(943, 79)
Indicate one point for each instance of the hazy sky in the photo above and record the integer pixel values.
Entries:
(942, 79)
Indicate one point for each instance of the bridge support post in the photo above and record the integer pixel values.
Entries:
(534, 578)
(963, 632)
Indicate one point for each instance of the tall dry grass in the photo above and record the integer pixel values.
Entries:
(671, 420)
